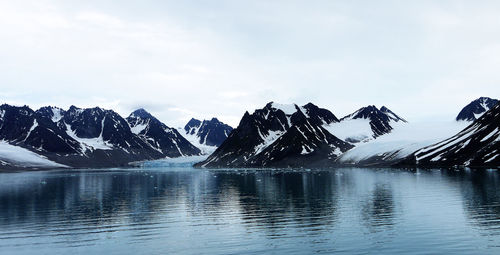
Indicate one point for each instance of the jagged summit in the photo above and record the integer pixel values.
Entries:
(372, 112)
(365, 124)
(206, 134)
(288, 109)
(159, 136)
(190, 127)
(279, 135)
(392, 115)
(141, 113)
(366, 112)
(476, 109)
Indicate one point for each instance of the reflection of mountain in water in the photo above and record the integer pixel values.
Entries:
(165, 209)
(264, 199)
(378, 211)
(275, 200)
(481, 192)
(90, 198)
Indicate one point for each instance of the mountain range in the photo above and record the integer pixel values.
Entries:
(91, 137)
(290, 135)
(277, 135)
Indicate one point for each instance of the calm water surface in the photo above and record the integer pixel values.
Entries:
(180, 210)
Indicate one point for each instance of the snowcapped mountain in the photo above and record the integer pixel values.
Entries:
(476, 109)
(476, 145)
(275, 136)
(279, 135)
(96, 128)
(159, 136)
(365, 124)
(91, 137)
(400, 143)
(24, 127)
(207, 135)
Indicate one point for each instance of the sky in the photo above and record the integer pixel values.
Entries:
(217, 58)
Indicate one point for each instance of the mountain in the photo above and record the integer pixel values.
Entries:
(401, 142)
(206, 135)
(476, 109)
(392, 116)
(279, 135)
(159, 136)
(24, 127)
(319, 116)
(91, 137)
(365, 124)
(476, 145)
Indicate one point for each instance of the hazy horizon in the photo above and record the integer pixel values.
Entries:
(178, 60)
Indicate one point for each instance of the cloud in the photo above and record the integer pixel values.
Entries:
(180, 59)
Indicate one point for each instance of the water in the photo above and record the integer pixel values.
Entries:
(179, 210)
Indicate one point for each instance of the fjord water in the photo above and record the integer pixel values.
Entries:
(181, 210)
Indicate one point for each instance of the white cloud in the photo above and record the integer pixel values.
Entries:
(183, 59)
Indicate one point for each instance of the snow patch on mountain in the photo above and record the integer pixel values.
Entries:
(267, 140)
(193, 138)
(20, 157)
(206, 135)
(403, 140)
(351, 130)
(35, 124)
(57, 114)
(288, 109)
(137, 129)
(92, 144)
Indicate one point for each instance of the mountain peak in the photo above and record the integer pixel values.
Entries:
(288, 109)
(318, 115)
(207, 132)
(484, 98)
(192, 123)
(476, 109)
(391, 114)
(141, 113)
(366, 112)
(279, 134)
(370, 122)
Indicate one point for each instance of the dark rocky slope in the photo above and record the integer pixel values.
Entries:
(477, 145)
(168, 141)
(476, 108)
(208, 132)
(380, 120)
(279, 135)
(91, 137)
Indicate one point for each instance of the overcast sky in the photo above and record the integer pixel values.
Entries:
(183, 59)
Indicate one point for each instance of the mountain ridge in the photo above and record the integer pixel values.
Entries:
(278, 135)
(476, 109)
(79, 137)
